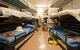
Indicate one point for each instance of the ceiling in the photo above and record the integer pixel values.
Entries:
(24, 4)
(60, 3)
(20, 4)
(39, 2)
(33, 3)
(17, 3)
(53, 3)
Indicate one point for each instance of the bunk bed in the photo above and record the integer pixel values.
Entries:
(13, 33)
(67, 30)
(13, 40)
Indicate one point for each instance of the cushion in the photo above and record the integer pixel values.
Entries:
(19, 28)
(8, 34)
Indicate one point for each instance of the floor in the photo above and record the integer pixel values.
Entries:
(39, 41)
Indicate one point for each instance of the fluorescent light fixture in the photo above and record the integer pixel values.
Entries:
(41, 6)
(40, 11)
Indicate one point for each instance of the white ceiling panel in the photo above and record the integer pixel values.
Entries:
(53, 3)
(38, 2)
(60, 3)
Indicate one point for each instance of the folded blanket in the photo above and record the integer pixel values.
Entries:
(8, 34)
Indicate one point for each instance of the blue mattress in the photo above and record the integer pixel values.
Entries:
(12, 38)
(61, 32)
(29, 26)
(27, 29)
(31, 30)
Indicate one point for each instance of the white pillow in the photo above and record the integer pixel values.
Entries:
(19, 28)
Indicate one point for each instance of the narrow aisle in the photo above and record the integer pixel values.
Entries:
(39, 42)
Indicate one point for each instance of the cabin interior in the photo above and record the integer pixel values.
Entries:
(39, 25)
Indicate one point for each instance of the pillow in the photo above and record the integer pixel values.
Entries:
(19, 29)
(8, 34)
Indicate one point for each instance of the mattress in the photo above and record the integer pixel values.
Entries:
(29, 26)
(9, 40)
(27, 30)
(61, 34)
